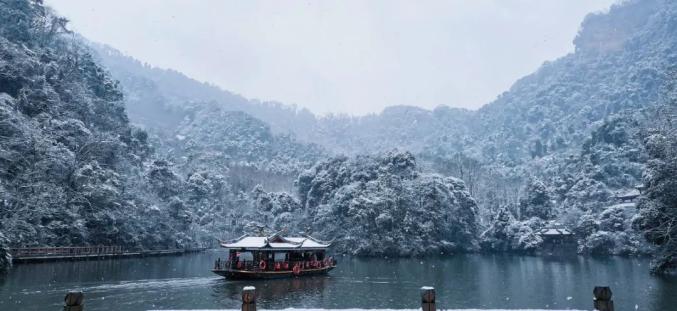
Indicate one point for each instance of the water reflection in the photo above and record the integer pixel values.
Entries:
(462, 281)
(274, 292)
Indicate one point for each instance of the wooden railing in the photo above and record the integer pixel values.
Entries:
(65, 251)
(39, 254)
(601, 300)
(248, 265)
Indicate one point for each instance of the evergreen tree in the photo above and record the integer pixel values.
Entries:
(5, 255)
(537, 201)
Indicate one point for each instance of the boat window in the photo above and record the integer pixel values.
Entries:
(246, 256)
(295, 256)
(280, 256)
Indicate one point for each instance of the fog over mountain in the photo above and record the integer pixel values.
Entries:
(98, 147)
(352, 57)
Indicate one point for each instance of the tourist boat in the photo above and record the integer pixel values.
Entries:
(275, 256)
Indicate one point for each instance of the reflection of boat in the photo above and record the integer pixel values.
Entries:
(275, 293)
(274, 256)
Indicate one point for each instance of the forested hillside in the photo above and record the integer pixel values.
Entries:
(619, 67)
(558, 146)
(619, 63)
(400, 210)
(194, 163)
(72, 169)
(658, 207)
(151, 90)
(200, 126)
(376, 205)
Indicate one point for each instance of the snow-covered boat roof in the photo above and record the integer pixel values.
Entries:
(276, 241)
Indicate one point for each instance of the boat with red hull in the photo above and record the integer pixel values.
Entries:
(275, 256)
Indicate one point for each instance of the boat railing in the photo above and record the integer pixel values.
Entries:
(270, 265)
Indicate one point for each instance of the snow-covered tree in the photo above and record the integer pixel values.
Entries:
(658, 206)
(5, 255)
(383, 204)
(499, 234)
(537, 201)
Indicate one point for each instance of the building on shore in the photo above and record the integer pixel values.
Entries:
(557, 240)
(630, 196)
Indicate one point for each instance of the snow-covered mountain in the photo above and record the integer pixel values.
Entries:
(574, 126)
(557, 146)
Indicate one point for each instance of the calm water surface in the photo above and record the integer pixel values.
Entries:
(462, 281)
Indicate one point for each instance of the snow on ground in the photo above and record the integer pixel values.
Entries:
(374, 310)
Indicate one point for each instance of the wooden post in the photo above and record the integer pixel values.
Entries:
(427, 298)
(602, 298)
(249, 298)
(74, 301)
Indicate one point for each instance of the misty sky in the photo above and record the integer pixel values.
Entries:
(341, 56)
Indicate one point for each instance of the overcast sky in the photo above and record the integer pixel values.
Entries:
(341, 56)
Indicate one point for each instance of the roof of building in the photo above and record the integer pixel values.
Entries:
(554, 231)
(276, 241)
(631, 194)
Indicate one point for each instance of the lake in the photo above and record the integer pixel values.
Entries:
(461, 281)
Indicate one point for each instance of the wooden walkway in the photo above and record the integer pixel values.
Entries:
(43, 254)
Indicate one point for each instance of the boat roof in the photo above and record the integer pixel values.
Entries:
(276, 241)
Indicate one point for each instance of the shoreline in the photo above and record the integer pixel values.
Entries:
(84, 257)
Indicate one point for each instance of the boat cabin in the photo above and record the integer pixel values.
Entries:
(274, 256)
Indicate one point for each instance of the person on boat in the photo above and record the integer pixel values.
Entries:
(235, 260)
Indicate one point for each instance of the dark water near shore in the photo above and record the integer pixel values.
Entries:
(462, 281)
